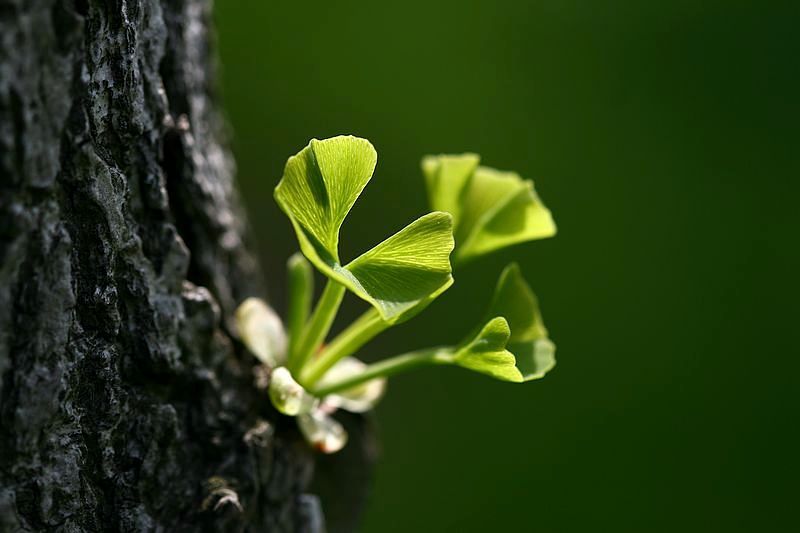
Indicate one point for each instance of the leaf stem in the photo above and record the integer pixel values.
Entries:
(356, 335)
(301, 292)
(388, 367)
(320, 323)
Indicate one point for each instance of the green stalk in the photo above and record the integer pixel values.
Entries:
(320, 323)
(365, 328)
(301, 292)
(389, 367)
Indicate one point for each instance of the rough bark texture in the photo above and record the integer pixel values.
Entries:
(125, 402)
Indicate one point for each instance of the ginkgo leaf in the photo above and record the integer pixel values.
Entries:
(515, 301)
(401, 275)
(404, 273)
(262, 331)
(358, 399)
(534, 358)
(500, 209)
(487, 353)
(319, 186)
(492, 209)
(398, 277)
(513, 344)
(446, 176)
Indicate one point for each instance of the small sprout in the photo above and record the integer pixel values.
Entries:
(358, 399)
(399, 277)
(491, 209)
(321, 431)
(261, 330)
(287, 395)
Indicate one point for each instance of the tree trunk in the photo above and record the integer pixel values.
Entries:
(126, 404)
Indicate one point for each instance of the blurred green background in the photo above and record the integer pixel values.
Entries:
(664, 137)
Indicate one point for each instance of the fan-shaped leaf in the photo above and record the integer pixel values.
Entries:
(400, 276)
(407, 271)
(319, 186)
(446, 176)
(500, 209)
(404, 273)
(492, 209)
(515, 301)
(487, 353)
(513, 344)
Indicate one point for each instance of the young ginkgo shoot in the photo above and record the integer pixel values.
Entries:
(477, 210)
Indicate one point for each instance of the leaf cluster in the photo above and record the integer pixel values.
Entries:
(476, 210)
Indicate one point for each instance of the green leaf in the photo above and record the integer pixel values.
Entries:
(319, 186)
(446, 176)
(515, 301)
(500, 209)
(492, 209)
(487, 353)
(400, 276)
(534, 358)
(513, 344)
(407, 271)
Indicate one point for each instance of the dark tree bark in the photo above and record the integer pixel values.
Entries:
(126, 404)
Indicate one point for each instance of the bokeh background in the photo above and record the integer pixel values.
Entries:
(664, 137)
